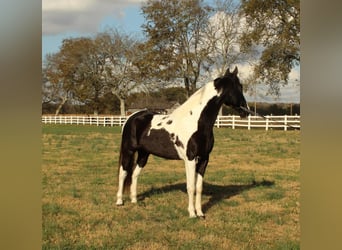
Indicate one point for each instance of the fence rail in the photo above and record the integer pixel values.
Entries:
(284, 122)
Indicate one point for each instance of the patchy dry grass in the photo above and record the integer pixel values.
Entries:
(251, 194)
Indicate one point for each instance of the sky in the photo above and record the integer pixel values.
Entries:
(74, 18)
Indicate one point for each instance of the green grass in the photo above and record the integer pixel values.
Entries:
(251, 194)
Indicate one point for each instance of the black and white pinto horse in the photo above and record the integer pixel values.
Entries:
(186, 134)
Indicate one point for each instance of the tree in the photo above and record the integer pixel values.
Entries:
(90, 84)
(57, 84)
(121, 73)
(175, 32)
(224, 33)
(76, 72)
(86, 69)
(275, 26)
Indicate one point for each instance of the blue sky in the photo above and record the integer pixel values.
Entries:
(63, 19)
(60, 21)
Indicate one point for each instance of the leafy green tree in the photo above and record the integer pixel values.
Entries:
(275, 25)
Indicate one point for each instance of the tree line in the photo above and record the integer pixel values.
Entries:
(185, 43)
(161, 101)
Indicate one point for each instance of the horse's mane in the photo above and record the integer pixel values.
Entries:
(200, 97)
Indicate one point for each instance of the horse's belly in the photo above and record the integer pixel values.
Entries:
(159, 142)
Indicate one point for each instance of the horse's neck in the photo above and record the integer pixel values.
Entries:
(199, 101)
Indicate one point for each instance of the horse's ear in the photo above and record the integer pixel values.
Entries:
(227, 72)
(235, 70)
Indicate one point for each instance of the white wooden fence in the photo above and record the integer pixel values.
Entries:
(284, 122)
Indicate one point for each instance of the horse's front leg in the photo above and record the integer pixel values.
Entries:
(190, 168)
(199, 188)
(200, 170)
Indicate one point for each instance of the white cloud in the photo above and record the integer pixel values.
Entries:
(66, 5)
(83, 16)
(289, 93)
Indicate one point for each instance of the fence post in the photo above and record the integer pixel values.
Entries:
(285, 122)
(218, 121)
(266, 127)
(233, 125)
(249, 122)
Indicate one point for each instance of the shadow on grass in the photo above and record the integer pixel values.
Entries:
(215, 192)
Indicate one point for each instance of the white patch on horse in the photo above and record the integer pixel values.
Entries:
(190, 169)
(135, 175)
(199, 188)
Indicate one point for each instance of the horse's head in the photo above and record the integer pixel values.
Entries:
(231, 91)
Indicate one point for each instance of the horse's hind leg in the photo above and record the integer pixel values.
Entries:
(122, 177)
(141, 162)
(126, 164)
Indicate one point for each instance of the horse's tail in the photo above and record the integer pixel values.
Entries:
(128, 148)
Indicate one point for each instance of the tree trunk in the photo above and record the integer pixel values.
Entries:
(122, 107)
(187, 87)
(64, 99)
(193, 87)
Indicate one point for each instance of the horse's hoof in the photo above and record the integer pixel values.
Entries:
(202, 217)
(119, 203)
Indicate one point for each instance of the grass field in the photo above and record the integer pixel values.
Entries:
(251, 193)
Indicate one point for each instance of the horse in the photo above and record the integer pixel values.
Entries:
(185, 134)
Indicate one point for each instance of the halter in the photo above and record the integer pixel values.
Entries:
(256, 114)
